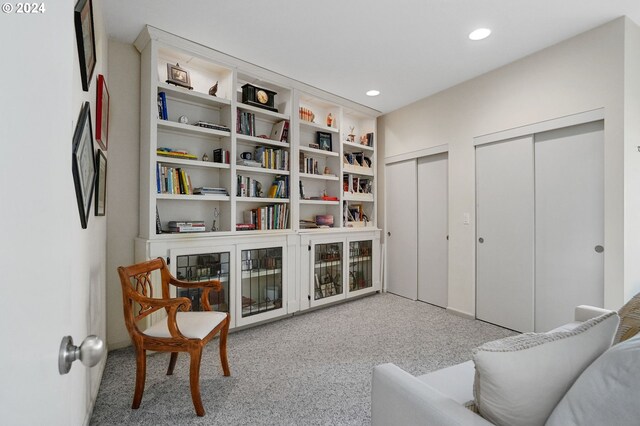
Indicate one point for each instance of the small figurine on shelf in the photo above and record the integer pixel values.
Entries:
(205, 157)
(351, 137)
(216, 215)
(214, 89)
(327, 171)
(329, 120)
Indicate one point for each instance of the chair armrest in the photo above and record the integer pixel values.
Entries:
(214, 284)
(398, 398)
(586, 312)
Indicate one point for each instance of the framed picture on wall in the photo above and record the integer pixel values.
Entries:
(101, 184)
(86, 40)
(83, 163)
(102, 113)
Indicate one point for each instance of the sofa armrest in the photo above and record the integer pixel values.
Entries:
(586, 312)
(398, 398)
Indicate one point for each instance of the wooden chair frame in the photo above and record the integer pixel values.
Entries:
(137, 289)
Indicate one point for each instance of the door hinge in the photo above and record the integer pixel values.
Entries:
(309, 247)
(309, 297)
(168, 260)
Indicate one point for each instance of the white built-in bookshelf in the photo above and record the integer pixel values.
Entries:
(262, 194)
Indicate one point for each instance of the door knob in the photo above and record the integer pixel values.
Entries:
(481, 240)
(599, 249)
(89, 352)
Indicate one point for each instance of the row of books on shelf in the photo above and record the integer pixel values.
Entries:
(272, 158)
(356, 185)
(249, 187)
(308, 165)
(357, 159)
(319, 221)
(246, 125)
(221, 156)
(170, 180)
(264, 218)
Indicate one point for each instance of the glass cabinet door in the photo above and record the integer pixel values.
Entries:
(327, 270)
(261, 280)
(204, 267)
(360, 265)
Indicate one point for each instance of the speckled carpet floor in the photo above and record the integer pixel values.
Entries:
(309, 369)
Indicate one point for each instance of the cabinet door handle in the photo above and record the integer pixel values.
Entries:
(481, 240)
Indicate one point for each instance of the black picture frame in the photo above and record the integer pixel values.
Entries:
(83, 163)
(324, 141)
(86, 40)
(101, 184)
(178, 76)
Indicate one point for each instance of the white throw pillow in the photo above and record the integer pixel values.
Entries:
(519, 380)
(606, 393)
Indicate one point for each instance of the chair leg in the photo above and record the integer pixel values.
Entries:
(194, 379)
(172, 363)
(223, 348)
(141, 372)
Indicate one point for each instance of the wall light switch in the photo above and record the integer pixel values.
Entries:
(466, 218)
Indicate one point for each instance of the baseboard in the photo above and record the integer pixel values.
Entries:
(118, 345)
(94, 392)
(461, 313)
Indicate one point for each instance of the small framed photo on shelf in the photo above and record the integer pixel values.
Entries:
(178, 76)
(102, 113)
(83, 163)
(86, 40)
(324, 141)
(101, 184)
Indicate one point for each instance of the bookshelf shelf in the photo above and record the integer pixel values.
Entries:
(261, 200)
(191, 163)
(263, 113)
(249, 169)
(184, 94)
(318, 151)
(190, 129)
(320, 202)
(352, 146)
(184, 197)
(318, 177)
(348, 196)
(260, 141)
(319, 127)
(364, 171)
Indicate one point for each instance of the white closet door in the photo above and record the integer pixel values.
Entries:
(569, 167)
(505, 233)
(402, 240)
(433, 229)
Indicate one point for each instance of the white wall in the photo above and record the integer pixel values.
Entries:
(53, 270)
(580, 74)
(124, 72)
(632, 161)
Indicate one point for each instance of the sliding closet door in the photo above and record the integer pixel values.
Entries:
(505, 233)
(433, 247)
(569, 190)
(402, 241)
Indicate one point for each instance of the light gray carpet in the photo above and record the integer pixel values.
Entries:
(310, 369)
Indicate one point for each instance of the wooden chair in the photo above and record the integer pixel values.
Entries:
(180, 331)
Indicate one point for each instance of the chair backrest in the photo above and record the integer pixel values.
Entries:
(136, 281)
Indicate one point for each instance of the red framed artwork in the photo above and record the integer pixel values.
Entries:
(102, 113)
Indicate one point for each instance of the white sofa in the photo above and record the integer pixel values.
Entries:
(437, 398)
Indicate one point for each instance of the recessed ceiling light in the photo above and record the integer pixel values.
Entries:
(479, 34)
(373, 93)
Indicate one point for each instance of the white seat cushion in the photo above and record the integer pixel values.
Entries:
(456, 381)
(194, 325)
(520, 379)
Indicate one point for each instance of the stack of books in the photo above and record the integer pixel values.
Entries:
(187, 226)
(175, 153)
(207, 190)
(213, 126)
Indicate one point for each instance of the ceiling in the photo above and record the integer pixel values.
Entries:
(406, 49)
